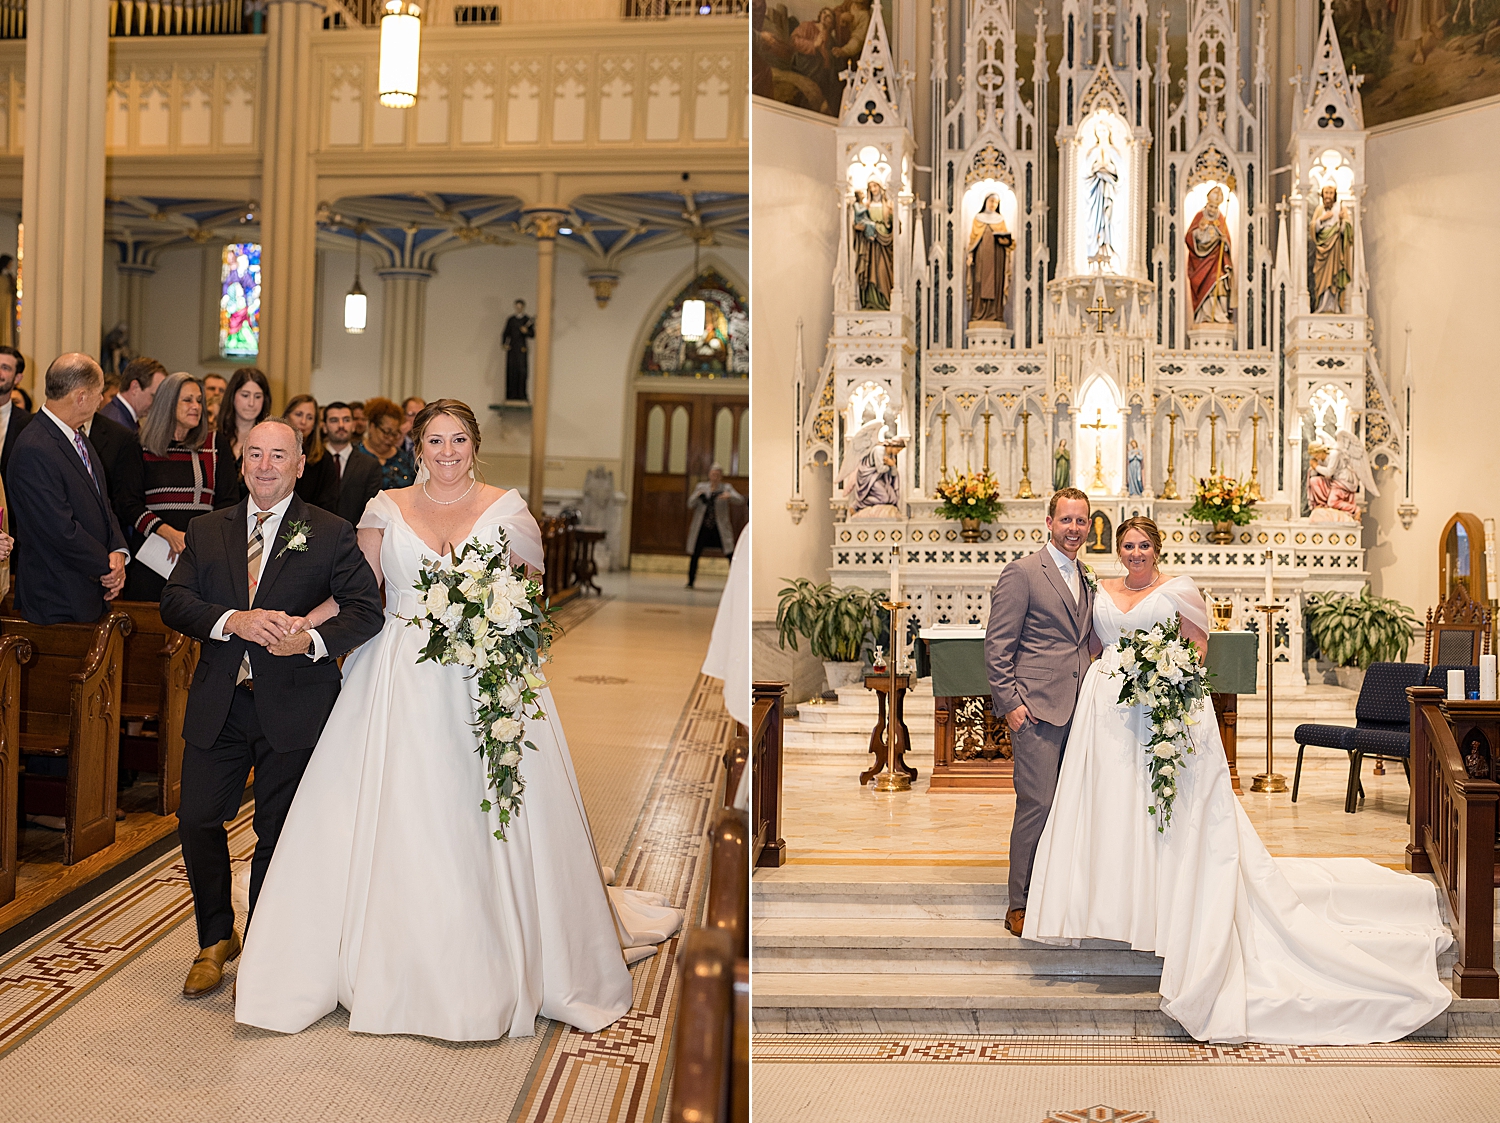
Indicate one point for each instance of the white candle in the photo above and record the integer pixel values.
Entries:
(1487, 678)
(1270, 577)
(1455, 686)
(895, 573)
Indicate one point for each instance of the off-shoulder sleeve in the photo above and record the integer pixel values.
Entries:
(525, 537)
(1188, 601)
(378, 513)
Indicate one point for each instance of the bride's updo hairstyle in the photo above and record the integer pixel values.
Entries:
(1146, 527)
(447, 407)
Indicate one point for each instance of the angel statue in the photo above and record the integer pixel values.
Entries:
(1335, 477)
(1332, 251)
(869, 478)
(874, 248)
(1210, 263)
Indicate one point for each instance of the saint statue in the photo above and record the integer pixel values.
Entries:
(874, 248)
(989, 264)
(1332, 249)
(1062, 470)
(869, 477)
(1135, 480)
(1335, 477)
(518, 329)
(1103, 183)
(1209, 263)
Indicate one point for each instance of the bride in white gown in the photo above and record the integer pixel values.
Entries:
(1335, 951)
(388, 893)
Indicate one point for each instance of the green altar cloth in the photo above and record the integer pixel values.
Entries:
(1232, 657)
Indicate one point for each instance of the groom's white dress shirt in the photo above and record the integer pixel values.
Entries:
(1068, 567)
(268, 532)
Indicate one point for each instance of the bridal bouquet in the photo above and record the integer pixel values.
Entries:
(1160, 669)
(485, 613)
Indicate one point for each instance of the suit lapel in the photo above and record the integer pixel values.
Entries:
(71, 451)
(236, 542)
(276, 554)
(1075, 607)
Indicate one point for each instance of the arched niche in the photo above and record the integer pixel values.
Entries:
(1098, 437)
(1461, 558)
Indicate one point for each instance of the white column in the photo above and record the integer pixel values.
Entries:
(403, 328)
(62, 186)
(543, 223)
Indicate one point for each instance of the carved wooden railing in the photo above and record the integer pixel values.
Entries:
(560, 578)
(1453, 825)
(14, 650)
(159, 666)
(768, 848)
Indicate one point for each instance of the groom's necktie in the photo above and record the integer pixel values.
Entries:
(253, 552)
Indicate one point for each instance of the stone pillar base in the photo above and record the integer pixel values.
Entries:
(991, 334)
(1211, 337)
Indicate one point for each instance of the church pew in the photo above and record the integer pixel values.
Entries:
(768, 848)
(70, 710)
(729, 877)
(559, 579)
(159, 665)
(14, 650)
(703, 1066)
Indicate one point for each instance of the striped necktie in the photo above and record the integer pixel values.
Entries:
(253, 552)
(83, 452)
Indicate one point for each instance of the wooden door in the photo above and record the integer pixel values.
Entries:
(678, 437)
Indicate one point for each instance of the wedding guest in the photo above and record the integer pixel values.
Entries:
(21, 398)
(711, 526)
(383, 442)
(412, 406)
(358, 475)
(72, 556)
(245, 404)
(180, 470)
(361, 423)
(120, 453)
(214, 386)
(13, 418)
(138, 383)
(319, 483)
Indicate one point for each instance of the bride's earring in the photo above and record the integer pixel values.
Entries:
(423, 475)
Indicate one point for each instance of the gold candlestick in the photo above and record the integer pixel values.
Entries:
(892, 779)
(944, 415)
(1169, 488)
(1023, 489)
(1255, 457)
(1213, 443)
(1269, 780)
(987, 415)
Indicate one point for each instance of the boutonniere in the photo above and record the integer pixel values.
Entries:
(297, 534)
(1088, 577)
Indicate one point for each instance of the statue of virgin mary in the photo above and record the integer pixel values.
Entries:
(989, 264)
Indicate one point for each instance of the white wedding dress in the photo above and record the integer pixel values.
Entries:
(388, 892)
(1332, 951)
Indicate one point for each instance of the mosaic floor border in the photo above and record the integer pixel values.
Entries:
(1103, 1050)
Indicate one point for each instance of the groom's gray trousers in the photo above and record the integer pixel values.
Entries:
(1036, 754)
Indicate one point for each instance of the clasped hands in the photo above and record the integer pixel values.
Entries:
(277, 632)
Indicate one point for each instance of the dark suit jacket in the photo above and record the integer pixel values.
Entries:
(293, 694)
(1036, 645)
(360, 483)
(19, 419)
(116, 411)
(63, 525)
(124, 471)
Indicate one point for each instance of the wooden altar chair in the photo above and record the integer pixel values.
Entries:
(1458, 631)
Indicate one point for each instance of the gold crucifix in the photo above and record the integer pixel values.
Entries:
(1098, 425)
(1100, 311)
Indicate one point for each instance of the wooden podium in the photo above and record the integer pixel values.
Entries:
(971, 746)
(1232, 657)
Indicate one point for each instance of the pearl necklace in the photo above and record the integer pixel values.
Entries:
(1143, 588)
(449, 502)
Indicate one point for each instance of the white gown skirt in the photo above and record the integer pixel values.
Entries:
(388, 893)
(1335, 951)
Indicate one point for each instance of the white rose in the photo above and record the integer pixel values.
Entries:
(510, 759)
(1166, 770)
(1164, 752)
(509, 696)
(463, 653)
(1167, 792)
(436, 599)
(505, 728)
(468, 587)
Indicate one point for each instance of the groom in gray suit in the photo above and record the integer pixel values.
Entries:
(1036, 649)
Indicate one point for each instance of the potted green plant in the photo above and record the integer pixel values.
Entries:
(972, 498)
(1353, 632)
(1224, 502)
(838, 624)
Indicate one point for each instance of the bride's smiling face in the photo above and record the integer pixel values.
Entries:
(446, 449)
(1137, 553)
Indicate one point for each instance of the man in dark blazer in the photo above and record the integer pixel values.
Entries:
(265, 682)
(70, 555)
(124, 470)
(12, 417)
(358, 475)
(138, 383)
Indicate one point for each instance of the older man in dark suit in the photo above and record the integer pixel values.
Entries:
(70, 555)
(246, 580)
(12, 417)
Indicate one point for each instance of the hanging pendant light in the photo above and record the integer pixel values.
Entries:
(400, 53)
(356, 304)
(694, 310)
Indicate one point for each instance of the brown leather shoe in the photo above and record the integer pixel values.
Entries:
(1015, 920)
(207, 971)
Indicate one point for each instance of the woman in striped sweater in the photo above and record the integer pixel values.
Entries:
(182, 471)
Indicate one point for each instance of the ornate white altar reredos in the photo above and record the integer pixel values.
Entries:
(1186, 322)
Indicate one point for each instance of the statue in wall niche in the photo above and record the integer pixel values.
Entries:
(1335, 477)
(116, 352)
(990, 244)
(518, 329)
(1332, 251)
(1103, 183)
(1210, 263)
(598, 496)
(870, 481)
(1062, 467)
(1135, 479)
(874, 248)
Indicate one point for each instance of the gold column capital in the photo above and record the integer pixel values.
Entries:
(543, 223)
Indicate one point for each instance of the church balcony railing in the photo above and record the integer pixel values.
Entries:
(367, 13)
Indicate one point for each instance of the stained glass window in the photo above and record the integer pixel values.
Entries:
(239, 301)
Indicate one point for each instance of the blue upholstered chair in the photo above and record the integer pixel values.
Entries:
(1381, 719)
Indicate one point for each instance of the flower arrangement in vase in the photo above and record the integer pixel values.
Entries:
(1223, 501)
(972, 498)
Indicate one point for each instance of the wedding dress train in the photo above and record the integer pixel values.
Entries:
(1307, 951)
(388, 892)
